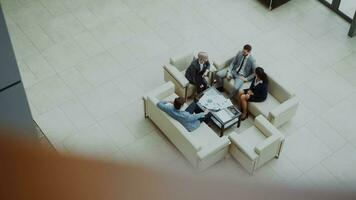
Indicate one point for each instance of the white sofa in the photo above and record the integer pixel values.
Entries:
(257, 145)
(174, 71)
(202, 147)
(279, 107)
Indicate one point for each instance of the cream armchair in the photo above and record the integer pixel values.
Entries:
(202, 147)
(279, 107)
(257, 145)
(175, 72)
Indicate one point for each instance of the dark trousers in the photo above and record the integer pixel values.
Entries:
(194, 108)
(200, 81)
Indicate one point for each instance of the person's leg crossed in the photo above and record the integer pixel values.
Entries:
(237, 85)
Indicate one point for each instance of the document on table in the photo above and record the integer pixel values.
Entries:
(224, 115)
(214, 101)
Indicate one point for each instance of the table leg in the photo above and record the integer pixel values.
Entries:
(222, 131)
(144, 108)
(211, 76)
(239, 122)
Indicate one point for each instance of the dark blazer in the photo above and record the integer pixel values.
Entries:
(193, 73)
(260, 91)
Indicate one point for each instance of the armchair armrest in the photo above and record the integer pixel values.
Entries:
(250, 153)
(221, 64)
(266, 127)
(176, 75)
(284, 112)
(213, 147)
(268, 143)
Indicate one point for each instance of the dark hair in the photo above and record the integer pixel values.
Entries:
(248, 47)
(260, 72)
(178, 102)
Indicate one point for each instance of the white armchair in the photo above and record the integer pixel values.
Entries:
(175, 72)
(257, 145)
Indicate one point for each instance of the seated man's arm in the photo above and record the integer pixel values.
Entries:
(232, 65)
(233, 73)
(163, 105)
(194, 73)
(207, 69)
(207, 65)
(197, 116)
(252, 75)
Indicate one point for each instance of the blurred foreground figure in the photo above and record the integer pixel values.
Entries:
(31, 172)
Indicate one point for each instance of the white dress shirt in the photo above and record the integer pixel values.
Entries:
(201, 66)
(242, 71)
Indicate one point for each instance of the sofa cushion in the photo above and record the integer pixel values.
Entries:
(252, 136)
(204, 135)
(249, 139)
(264, 107)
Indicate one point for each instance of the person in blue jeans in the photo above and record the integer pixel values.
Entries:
(190, 118)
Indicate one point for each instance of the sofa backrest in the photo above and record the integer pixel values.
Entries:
(162, 91)
(223, 62)
(182, 62)
(278, 91)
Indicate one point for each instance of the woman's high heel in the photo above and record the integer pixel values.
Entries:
(243, 118)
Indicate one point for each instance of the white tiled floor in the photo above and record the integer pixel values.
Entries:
(85, 64)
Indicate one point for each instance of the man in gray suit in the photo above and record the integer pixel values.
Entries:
(241, 69)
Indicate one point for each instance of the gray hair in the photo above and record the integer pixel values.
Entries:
(202, 55)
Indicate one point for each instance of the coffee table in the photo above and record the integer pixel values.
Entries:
(224, 117)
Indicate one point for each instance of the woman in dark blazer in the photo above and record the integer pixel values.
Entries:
(256, 93)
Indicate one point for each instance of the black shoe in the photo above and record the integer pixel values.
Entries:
(220, 89)
(243, 118)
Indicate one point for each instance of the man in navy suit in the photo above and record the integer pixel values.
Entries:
(197, 71)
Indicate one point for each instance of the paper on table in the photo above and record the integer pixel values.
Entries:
(214, 101)
(223, 115)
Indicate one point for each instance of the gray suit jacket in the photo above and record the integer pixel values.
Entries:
(250, 65)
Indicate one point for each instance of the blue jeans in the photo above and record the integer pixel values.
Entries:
(194, 108)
